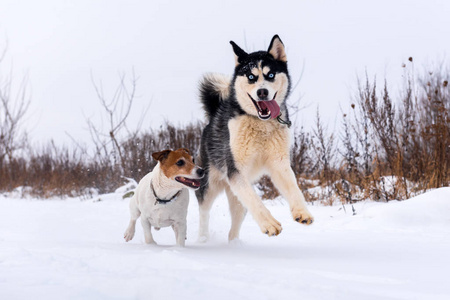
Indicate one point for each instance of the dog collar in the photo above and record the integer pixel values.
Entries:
(163, 201)
(284, 122)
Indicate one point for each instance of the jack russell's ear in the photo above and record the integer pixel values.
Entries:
(162, 155)
(185, 150)
(239, 54)
(276, 48)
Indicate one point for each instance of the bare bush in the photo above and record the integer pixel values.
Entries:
(388, 148)
(14, 103)
(406, 146)
(117, 110)
(137, 149)
(323, 150)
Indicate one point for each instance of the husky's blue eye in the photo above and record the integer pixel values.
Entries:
(252, 78)
(271, 75)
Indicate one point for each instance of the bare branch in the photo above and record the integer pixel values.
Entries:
(12, 111)
(117, 109)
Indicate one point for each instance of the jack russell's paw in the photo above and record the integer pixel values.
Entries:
(128, 235)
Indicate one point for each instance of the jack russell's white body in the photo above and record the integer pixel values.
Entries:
(161, 200)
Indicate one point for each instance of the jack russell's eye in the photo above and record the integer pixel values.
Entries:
(180, 163)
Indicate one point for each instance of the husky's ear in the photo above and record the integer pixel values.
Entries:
(162, 155)
(239, 54)
(276, 48)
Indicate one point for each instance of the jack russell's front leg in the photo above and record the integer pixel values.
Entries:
(180, 233)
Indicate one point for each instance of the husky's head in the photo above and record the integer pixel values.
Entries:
(261, 81)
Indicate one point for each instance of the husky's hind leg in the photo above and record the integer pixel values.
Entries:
(237, 211)
(206, 196)
(205, 203)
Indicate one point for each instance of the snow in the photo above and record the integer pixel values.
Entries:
(73, 249)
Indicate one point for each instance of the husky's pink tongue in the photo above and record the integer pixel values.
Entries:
(272, 106)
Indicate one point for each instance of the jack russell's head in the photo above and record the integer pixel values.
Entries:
(179, 165)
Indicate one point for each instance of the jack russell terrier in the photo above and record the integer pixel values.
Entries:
(161, 198)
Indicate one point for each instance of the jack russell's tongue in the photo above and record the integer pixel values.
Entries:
(267, 109)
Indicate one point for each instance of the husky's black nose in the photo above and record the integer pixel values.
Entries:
(262, 94)
(200, 172)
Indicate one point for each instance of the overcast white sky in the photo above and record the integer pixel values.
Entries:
(170, 44)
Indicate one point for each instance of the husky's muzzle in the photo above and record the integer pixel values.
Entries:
(267, 109)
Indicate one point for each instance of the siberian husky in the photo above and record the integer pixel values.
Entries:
(247, 136)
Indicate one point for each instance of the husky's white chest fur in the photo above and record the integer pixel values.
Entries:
(255, 143)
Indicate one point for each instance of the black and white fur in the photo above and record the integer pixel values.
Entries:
(246, 138)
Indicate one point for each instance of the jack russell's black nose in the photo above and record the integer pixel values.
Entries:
(200, 172)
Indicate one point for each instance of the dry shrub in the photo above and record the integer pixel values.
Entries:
(52, 171)
(267, 188)
(388, 149)
(137, 149)
(401, 147)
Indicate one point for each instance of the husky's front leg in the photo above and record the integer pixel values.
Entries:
(248, 197)
(284, 179)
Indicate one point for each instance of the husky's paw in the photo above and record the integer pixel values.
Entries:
(303, 216)
(128, 235)
(271, 227)
(235, 243)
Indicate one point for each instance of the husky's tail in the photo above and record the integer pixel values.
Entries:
(214, 88)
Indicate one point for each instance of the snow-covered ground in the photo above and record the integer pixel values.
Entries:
(72, 249)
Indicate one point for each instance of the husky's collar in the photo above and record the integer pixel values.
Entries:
(284, 122)
(163, 201)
